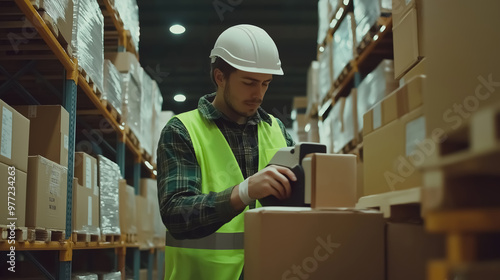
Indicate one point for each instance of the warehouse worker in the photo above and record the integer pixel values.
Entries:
(205, 155)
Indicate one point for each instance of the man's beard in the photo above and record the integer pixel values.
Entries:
(229, 104)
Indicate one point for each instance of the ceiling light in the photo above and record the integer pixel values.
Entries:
(321, 49)
(339, 13)
(177, 29)
(180, 97)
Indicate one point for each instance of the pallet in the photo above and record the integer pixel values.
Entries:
(464, 172)
(471, 235)
(159, 241)
(111, 238)
(20, 31)
(358, 151)
(22, 234)
(146, 156)
(372, 35)
(48, 235)
(129, 238)
(89, 81)
(111, 109)
(343, 75)
(133, 138)
(84, 237)
(398, 206)
(350, 146)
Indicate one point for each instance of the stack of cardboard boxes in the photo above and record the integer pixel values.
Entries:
(86, 201)
(321, 242)
(151, 231)
(14, 137)
(47, 166)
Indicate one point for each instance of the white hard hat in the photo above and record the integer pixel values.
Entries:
(248, 48)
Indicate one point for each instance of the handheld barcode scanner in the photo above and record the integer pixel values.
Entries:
(294, 159)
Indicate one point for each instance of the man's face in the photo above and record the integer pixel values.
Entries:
(244, 92)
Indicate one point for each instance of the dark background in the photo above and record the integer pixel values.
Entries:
(180, 63)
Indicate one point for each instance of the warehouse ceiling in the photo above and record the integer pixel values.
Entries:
(180, 63)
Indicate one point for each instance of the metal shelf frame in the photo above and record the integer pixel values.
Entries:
(73, 80)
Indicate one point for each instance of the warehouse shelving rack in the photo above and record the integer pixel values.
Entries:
(379, 48)
(75, 89)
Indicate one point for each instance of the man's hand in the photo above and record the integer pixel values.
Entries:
(271, 181)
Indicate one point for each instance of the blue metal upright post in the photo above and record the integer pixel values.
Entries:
(137, 262)
(357, 79)
(69, 103)
(120, 155)
(150, 264)
(160, 263)
(137, 177)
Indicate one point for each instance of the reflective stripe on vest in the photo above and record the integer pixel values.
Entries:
(219, 171)
(215, 241)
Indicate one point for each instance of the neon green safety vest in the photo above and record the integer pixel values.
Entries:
(220, 255)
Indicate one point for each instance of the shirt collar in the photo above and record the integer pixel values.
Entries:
(209, 112)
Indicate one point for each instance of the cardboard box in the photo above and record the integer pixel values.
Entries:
(373, 88)
(332, 182)
(300, 102)
(360, 178)
(300, 122)
(417, 70)
(400, 8)
(145, 231)
(409, 38)
(300, 243)
(47, 188)
(384, 112)
(143, 274)
(14, 182)
(128, 209)
(392, 165)
(149, 190)
(409, 248)
(85, 209)
(85, 170)
(49, 130)
(394, 106)
(61, 13)
(14, 143)
(125, 62)
(452, 92)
